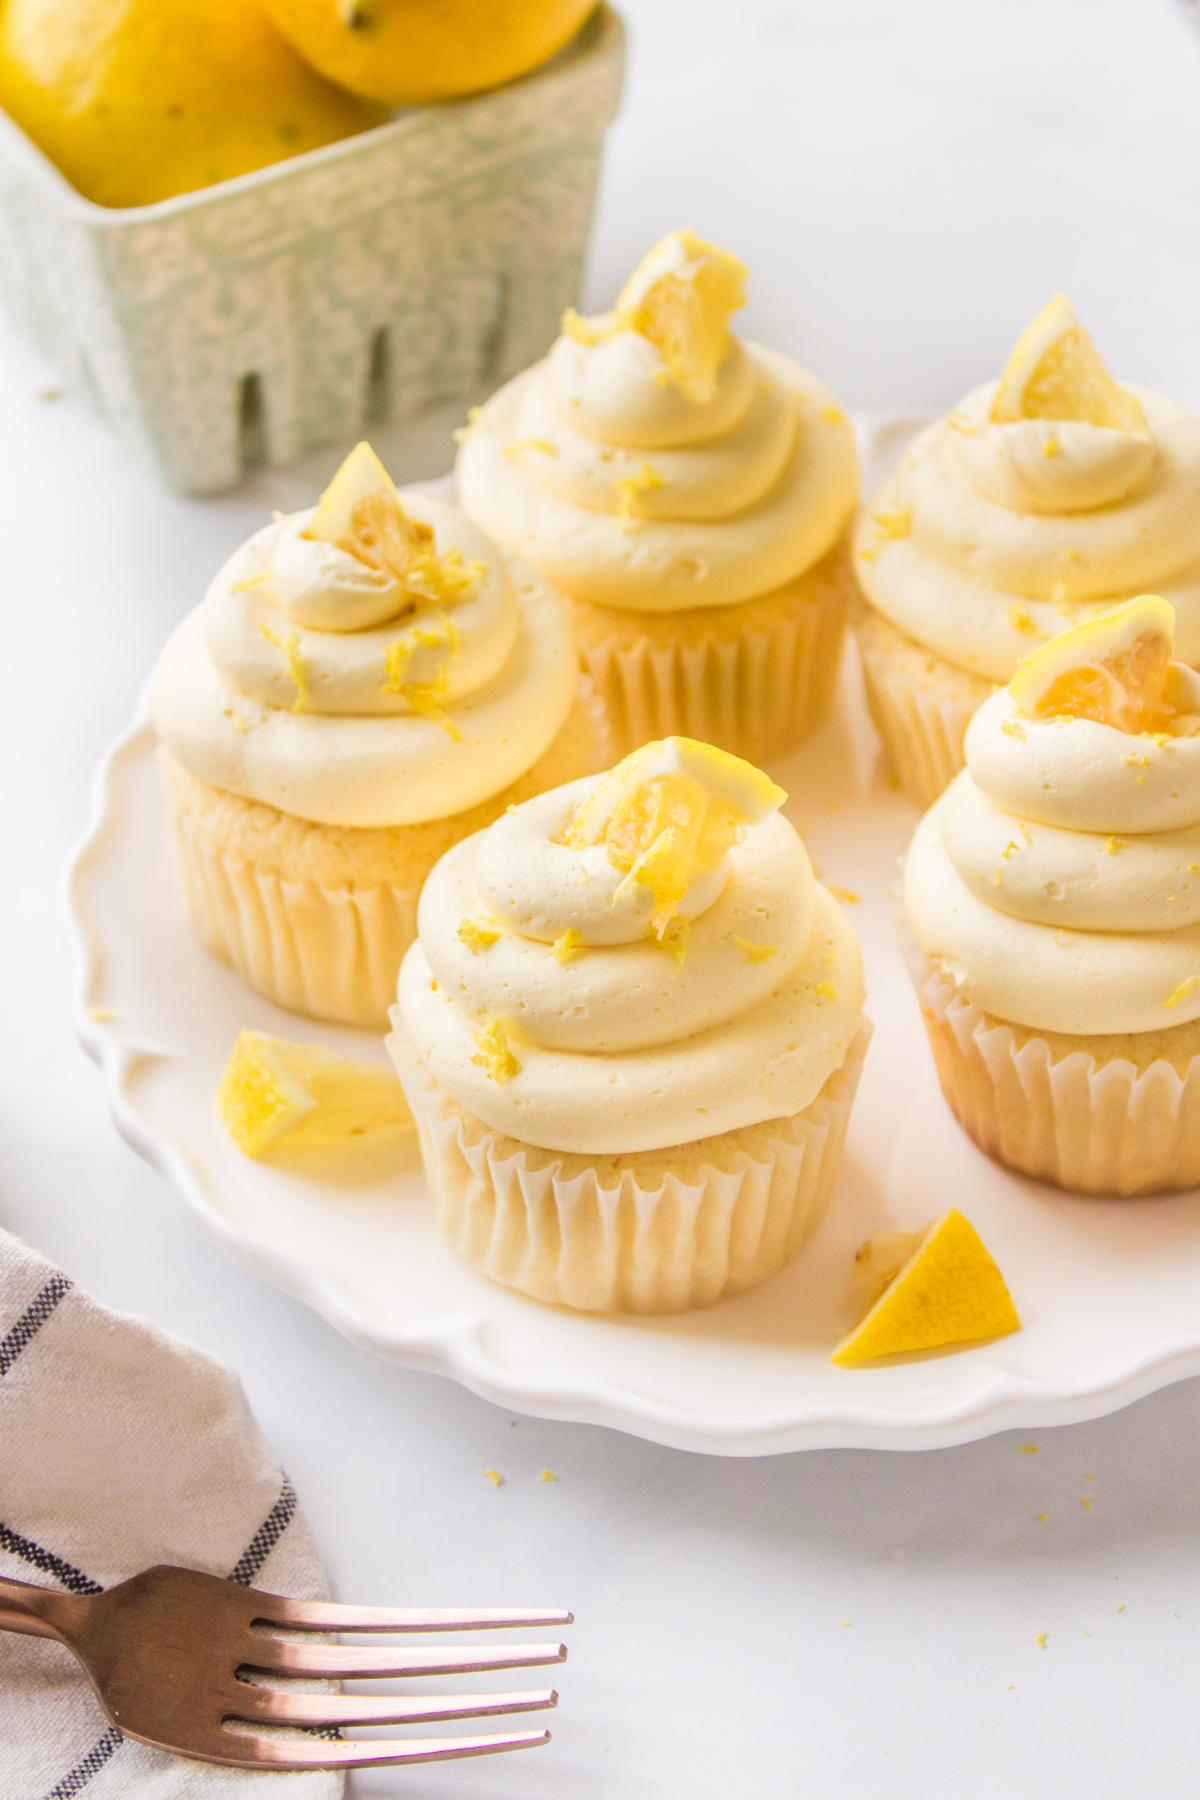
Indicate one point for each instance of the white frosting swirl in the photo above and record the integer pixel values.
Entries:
(991, 536)
(1058, 877)
(253, 696)
(618, 1048)
(599, 470)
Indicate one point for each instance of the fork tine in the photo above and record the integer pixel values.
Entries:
(342, 1662)
(283, 1754)
(320, 1615)
(263, 1705)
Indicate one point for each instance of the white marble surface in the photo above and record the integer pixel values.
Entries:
(908, 183)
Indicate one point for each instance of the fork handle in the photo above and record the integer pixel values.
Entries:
(21, 1609)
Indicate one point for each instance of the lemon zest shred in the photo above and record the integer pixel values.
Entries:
(846, 895)
(495, 1055)
(825, 990)
(478, 934)
(291, 656)
(566, 946)
(532, 443)
(673, 938)
(1182, 991)
(464, 433)
(1114, 846)
(494, 1476)
(250, 581)
(1020, 620)
(628, 490)
(833, 415)
(754, 953)
(1012, 728)
(547, 1475)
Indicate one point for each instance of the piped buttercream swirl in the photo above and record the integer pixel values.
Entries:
(620, 1046)
(623, 491)
(321, 686)
(1057, 880)
(991, 537)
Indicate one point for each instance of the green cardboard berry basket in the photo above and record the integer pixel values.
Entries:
(306, 301)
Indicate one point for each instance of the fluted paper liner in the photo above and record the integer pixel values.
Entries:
(921, 711)
(757, 694)
(333, 953)
(629, 1247)
(1095, 1127)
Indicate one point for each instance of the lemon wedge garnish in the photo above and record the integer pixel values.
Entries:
(1115, 668)
(671, 811)
(681, 296)
(274, 1090)
(1055, 372)
(361, 512)
(942, 1286)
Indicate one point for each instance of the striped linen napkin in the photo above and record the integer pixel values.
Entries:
(122, 1447)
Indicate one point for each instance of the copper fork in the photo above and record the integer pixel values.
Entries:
(173, 1656)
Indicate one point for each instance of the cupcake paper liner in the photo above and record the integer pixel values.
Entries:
(331, 953)
(920, 703)
(758, 694)
(665, 1247)
(1094, 1127)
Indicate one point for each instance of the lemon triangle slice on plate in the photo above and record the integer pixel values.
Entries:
(274, 1091)
(1056, 372)
(948, 1290)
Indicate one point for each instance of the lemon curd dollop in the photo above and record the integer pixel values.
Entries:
(658, 962)
(1043, 499)
(1057, 880)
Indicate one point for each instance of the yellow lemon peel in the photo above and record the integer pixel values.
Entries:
(1115, 668)
(361, 512)
(1055, 372)
(889, 528)
(1182, 991)
(566, 946)
(628, 490)
(681, 297)
(290, 645)
(494, 1053)
(939, 1287)
(274, 1090)
(670, 812)
(753, 953)
(478, 934)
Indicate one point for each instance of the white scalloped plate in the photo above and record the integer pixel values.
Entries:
(1109, 1290)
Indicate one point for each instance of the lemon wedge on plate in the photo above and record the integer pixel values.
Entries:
(941, 1286)
(670, 812)
(274, 1091)
(1115, 668)
(681, 297)
(1056, 372)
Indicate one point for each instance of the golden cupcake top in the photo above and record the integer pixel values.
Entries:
(375, 660)
(656, 462)
(1041, 500)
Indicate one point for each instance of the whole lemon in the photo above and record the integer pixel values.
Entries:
(136, 100)
(409, 52)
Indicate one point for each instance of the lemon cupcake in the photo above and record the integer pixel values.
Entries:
(363, 685)
(1053, 893)
(630, 1034)
(1043, 499)
(689, 493)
